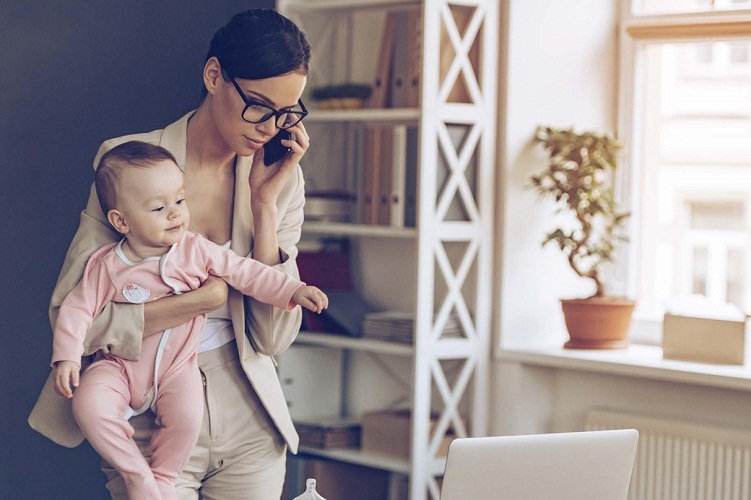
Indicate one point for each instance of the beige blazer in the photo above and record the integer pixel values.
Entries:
(266, 331)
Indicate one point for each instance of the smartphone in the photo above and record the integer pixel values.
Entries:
(274, 150)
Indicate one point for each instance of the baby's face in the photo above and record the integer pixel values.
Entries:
(152, 201)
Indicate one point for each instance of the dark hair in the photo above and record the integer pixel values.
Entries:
(258, 44)
(131, 154)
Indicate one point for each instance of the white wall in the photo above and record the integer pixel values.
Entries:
(562, 71)
(531, 399)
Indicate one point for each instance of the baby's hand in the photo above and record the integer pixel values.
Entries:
(66, 373)
(311, 298)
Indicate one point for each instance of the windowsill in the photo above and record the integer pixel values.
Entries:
(637, 361)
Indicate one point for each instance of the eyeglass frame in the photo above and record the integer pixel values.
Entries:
(277, 113)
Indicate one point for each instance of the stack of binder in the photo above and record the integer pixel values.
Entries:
(396, 326)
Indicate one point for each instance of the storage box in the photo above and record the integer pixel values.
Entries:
(329, 432)
(704, 340)
(388, 432)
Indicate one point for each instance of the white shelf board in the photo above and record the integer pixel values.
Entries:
(638, 361)
(390, 115)
(346, 229)
(359, 457)
(355, 344)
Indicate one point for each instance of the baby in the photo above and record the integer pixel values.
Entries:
(140, 188)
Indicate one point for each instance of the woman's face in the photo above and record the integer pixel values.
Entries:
(227, 106)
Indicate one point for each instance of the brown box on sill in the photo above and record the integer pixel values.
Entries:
(388, 432)
(704, 340)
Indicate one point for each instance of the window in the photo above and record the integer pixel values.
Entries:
(682, 6)
(686, 118)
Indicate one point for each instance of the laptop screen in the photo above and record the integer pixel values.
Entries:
(593, 465)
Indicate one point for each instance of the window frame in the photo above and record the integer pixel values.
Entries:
(637, 31)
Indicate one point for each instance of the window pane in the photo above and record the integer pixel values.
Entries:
(699, 284)
(703, 53)
(717, 215)
(694, 164)
(736, 274)
(739, 52)
(677, 6)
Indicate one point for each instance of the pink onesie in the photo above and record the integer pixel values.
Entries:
(166, 377)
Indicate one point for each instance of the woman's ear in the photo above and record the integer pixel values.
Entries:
(118, 221)
(212, 73)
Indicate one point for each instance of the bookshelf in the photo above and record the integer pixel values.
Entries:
(383, 116)
(361, 458)
(437, 262)
(345, 229)
(355, 344)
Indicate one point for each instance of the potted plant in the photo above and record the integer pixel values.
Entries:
(342, 95)
(577, 178)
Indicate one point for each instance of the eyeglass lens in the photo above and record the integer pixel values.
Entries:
(256, 113)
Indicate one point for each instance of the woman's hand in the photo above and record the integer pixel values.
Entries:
(216, 292)
(266, 182)
(169, 312)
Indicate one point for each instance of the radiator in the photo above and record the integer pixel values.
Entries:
(678, 460)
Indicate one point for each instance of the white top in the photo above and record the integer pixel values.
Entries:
(218, 330)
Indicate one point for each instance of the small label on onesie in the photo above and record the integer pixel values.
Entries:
(135, 294)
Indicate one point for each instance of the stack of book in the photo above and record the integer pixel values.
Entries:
(394, 326)
(331, 432)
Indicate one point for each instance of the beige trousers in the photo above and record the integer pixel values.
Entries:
(240, 455)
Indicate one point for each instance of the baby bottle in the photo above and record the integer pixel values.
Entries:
(310, 491)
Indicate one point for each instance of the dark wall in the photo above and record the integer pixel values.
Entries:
(72, 74)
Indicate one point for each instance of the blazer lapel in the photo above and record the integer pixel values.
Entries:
(242, 232)
(242, 217)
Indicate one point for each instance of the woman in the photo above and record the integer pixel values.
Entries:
(254, 74)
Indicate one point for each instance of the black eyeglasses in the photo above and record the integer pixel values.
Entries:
(258, 112)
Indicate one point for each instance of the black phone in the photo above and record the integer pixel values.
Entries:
(274, 150)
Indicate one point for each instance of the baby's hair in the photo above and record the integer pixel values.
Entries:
(258, 44)
(112, 165)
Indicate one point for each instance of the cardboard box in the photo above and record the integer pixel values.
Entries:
(388, 432)
(703, 340)
(329, 432)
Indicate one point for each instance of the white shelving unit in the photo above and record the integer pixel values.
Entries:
(383, 116)
(452, 239)
(343, 229)
(356, 344)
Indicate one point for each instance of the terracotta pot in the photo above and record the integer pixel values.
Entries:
(597, 322)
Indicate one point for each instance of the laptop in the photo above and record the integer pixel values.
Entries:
(594, 465)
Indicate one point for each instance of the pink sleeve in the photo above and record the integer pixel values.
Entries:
(249, 276)
(79, 308)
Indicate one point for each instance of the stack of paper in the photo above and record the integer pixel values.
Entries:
(397, 326)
